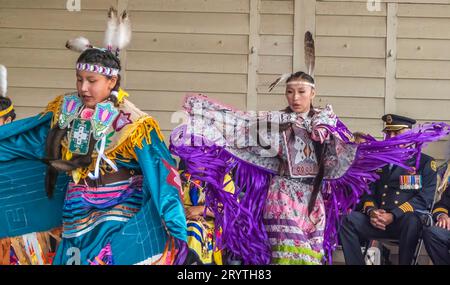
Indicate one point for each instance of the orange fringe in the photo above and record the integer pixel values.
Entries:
(17, 243)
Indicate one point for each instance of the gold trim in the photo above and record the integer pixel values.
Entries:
(440, 210)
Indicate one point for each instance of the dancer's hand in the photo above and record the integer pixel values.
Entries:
(194, 212)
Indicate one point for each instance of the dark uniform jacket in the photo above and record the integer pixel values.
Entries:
(388, 195)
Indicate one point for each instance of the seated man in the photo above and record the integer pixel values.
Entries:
(390, 211)
(437, 238)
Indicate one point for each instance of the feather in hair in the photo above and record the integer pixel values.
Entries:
(279, 80)
(78, 44)
(3, 81)
(123, 37)
(310, 53)
(111, 29)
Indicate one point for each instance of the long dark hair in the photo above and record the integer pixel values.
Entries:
(319, 148)
(104, 58)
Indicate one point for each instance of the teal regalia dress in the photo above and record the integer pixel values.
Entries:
(137, 221)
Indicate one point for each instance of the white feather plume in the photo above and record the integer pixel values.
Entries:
(3, 80)
(123, 37)
(78, 44)
(111, 29)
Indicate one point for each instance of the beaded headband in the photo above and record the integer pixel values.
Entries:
(301, 83)
(106, 71)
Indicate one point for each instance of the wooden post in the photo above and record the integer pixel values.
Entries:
(391, 58)
(253, 45)
(304, 20)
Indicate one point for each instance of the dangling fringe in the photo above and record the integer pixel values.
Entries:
(134, 137)
(5, 251)
(30, 249)
(105, 257)
(342, 194)
(243, 232)
(55, 108)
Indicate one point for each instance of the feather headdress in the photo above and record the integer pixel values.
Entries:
(310, 61)
(117, 34)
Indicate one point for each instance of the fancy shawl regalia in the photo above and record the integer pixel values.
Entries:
(267, 218)
(67, 151)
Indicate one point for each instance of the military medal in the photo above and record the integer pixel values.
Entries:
(410, 182)
(80, 136)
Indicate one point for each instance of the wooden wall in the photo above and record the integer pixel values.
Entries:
(369, 63)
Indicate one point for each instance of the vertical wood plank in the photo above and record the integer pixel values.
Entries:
(254, 43)
(304, 20)
(391, 58)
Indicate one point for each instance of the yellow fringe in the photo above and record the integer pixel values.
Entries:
(55, 108)
(134, 137)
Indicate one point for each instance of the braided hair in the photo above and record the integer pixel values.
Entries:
(318, 147)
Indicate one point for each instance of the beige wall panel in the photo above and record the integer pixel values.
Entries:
(349, 8)
(423, 49)
(354, 26)
(423, 69)
(349, 86)
(277, 7)
(425, 109)
(351, 47)
(276, 24)
(52, 39)
(276, 45)
(38, 58)
(37, 78)
(36, 97)
(370, 126)
(54, 19)
(355, 67)
(196, 23)
(424, 10)
(56, 4)
(187, 62)
(173, 101)
(197, 43)
(187, 82)
(222, 6)
(423, 89)
(275, 64)
(424, 28)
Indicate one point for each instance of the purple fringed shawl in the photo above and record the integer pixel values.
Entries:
(240, 215)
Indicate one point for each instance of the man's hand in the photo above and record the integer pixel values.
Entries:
(375, 219)
(443, 222)
(380, 219)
